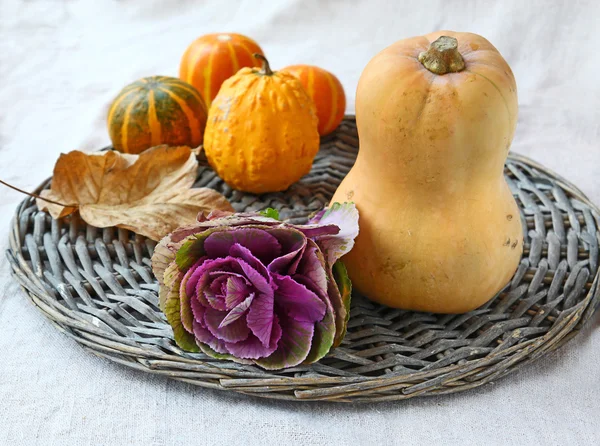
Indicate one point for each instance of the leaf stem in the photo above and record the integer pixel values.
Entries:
(36, 195)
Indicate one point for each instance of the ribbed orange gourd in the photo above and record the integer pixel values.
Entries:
(212, 58)
(261, 134)
(156, 110)
(440, 230)
(327, 93)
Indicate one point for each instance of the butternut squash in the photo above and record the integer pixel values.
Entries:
(439, 228)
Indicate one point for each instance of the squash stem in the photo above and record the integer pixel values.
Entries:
(266, 69)
(442, 56)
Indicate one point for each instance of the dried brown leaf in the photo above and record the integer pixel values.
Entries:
(150, 194)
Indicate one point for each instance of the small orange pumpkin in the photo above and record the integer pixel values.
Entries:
(156, 110)
(261, 134)
(212, 58)
(326, 92)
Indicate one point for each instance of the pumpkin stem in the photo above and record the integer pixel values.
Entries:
(442, 56)
(266, 69)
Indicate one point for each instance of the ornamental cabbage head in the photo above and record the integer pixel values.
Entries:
(253, 289)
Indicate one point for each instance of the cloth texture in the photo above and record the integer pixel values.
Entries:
(62, 63)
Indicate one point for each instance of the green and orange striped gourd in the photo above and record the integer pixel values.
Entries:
(156, 110)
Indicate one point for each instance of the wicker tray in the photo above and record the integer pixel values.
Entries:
(96, 286)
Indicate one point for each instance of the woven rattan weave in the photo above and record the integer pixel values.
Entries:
(96, 286)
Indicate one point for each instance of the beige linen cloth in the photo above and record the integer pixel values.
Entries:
(61, 63)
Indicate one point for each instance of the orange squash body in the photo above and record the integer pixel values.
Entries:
(440, 230)
(261, 134)
(213, 58)
(326, 92)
